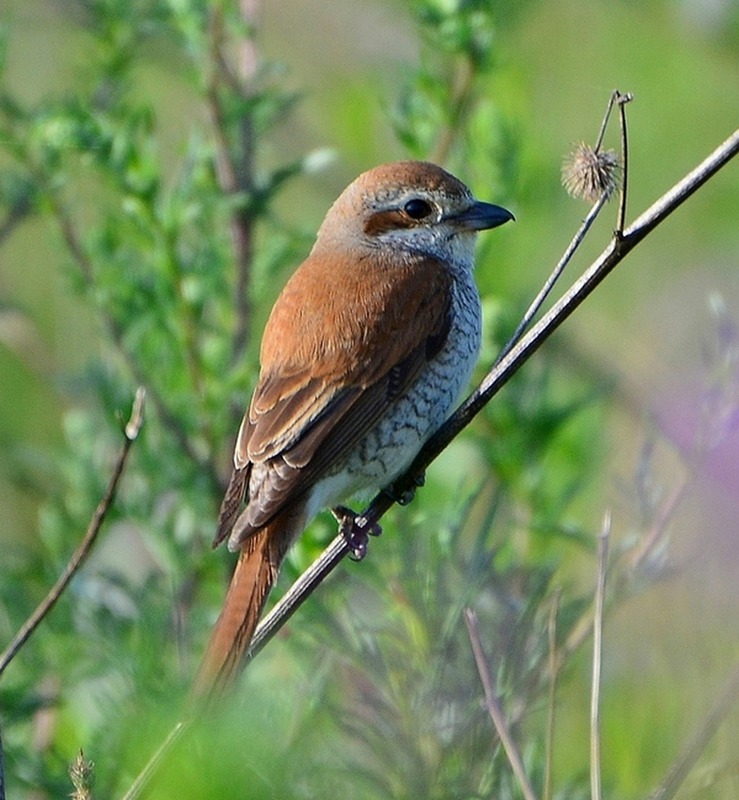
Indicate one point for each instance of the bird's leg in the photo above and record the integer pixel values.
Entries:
(405, 497)
(356, 529)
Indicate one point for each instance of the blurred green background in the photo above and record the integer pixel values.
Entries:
(645, 344)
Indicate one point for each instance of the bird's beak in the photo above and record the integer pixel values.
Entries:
(482, 216)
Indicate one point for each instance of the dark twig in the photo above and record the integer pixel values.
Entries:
(600, 594)
(697, 743)
(622, 100)
(503, 371)
(131, 431)
(494, 708)
(302, 588)
(556, 273)
(235, 160)
(464, 83)
(581, 232)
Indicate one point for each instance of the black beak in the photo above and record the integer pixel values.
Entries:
(483, 216)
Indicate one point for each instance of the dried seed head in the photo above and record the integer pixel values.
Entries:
(81, 773)
(588, 174)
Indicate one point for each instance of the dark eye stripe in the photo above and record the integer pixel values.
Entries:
(413, 212)
(393, 219)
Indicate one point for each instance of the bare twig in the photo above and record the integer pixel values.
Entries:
(556, 273)
(235, 161)
(622, 100)
(464, 82)
(600, 593)
(301, 589)
(131, 432)
(494, 707)
(146, 774)
(656, 530)
(553, 673)
(695, 746)
(650, 540)
(502, 371)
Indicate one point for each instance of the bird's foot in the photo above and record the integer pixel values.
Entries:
(356, 529)
(403, 498)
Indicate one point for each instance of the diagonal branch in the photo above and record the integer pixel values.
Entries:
(235, 159)
(501, 372)
(494, 708)
(130, 433)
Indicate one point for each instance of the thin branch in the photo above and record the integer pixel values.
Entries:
(147, 773)
(649, 541)
(622, 100)
(501, 372)
(131, 432)
(556, 273)
(494, 707)
(615, 94)
(460, 101)
(553, 673)
(301, 589)
(600, 594)
(235, 161)
(697, 743)
(656, 530)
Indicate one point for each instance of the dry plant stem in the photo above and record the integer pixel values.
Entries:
(131, 432)
(656, 530)
(556, 273)
(146, 774)
(553, 673)
(687, 759)
(600, 594)
(462, 92)
(615, 95)
(622, 100)
(617, 98)
(302, 588)
(502, 371)
(494, 708)
(235, 163)
(651, 539)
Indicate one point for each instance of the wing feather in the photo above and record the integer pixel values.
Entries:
(332, 368)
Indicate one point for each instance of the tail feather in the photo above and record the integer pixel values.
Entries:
(254, 576)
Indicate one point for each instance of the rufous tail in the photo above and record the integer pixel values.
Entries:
(255, 574)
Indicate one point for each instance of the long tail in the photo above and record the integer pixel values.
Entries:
(255, 574)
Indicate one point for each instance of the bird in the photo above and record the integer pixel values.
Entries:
(364, 355)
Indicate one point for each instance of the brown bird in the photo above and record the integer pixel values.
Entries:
(364, 356)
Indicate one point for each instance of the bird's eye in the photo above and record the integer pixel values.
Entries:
(417, 208)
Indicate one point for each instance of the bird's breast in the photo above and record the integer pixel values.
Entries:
(388, 448)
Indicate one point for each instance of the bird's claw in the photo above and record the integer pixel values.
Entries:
(404, 498)
(356, 529)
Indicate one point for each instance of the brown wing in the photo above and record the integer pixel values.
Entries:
(332, 365)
